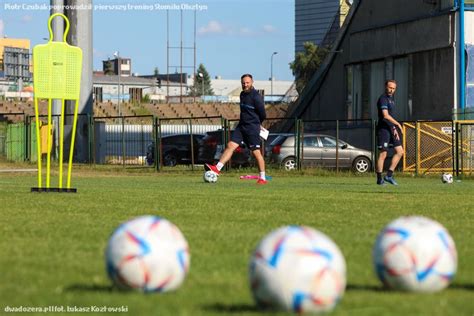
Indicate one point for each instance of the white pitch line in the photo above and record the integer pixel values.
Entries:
(18, 170)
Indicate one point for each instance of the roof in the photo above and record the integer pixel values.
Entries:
(233, 86)
(113, 79)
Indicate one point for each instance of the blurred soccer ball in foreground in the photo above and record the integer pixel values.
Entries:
(210, 176)
(149, 254)
(447, 178)
(297, 268)
(415, 253)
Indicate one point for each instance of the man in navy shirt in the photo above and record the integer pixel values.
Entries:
(252, 114)
(389, 132)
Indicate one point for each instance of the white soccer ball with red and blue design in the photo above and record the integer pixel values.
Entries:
(210, 176)
(415, 253)
(447, 178)
(149, 254)
(299, 269)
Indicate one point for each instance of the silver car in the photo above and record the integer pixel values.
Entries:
(319, 150)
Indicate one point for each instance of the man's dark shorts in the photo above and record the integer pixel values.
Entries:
(388, 137)
(249, 137)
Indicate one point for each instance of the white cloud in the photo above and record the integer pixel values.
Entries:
(213, 27)
(245, 31)
(269, 28)
(2, 27)
(26, 18)
(99, 54)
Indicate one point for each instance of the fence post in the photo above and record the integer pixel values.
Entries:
(91, 139)
(374, 144)
(417, 146)
(337, 146)
(157, 138)
(25, 135)
(461, 155)
(192, 143)
(299, 124)
(453, 150)
(457, 149)
(123, 140)
(404, 144)
(225, 140)
(31, 147)
(297, 140)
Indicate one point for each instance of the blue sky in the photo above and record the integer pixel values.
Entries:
(233, 37)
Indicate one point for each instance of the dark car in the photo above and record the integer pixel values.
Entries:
(212, 146)
(267, 146)
(176, 149)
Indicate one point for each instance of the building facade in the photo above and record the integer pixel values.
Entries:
(15, 61)
(118, 65)
(318, 21)
(414, 42)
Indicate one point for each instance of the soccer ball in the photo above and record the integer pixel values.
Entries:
(210, 176)
(447, 178)
(299, 269)
(149, 254)
(415, 253)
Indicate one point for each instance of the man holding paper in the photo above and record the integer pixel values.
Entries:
(249, 129)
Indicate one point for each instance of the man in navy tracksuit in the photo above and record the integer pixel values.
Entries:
(389, 132)
(252, 114)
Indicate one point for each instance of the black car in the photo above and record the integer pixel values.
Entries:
(267, 146)
(176, 149)
(212, 146)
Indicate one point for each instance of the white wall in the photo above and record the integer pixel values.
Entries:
(469, 41)
(469, 27)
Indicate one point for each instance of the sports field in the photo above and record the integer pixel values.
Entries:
(52, 245)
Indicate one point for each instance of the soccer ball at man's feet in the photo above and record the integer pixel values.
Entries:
(416, 254)
(447, 178)
(299, 269)
(210, 176)
(148, 254)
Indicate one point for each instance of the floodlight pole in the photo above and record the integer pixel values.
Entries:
(119, 72)
(201, 75)
(271, 72)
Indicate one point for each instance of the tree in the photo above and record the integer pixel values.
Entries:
(156, 73)
(306, 64)
(108, 68)
(145, 98)
(202, 83)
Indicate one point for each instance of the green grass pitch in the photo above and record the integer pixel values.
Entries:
(52, 244)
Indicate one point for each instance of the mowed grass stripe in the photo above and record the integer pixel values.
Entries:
(52, 245)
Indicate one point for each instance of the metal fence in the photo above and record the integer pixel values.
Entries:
(343, 144)
(430, 146)
(464, 147)
(13, 136)
(30, 153)
(187, 141)
(122, 140)
(242, 157)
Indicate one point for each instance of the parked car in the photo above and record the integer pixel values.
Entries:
(271, 141)
(212, 146)
(211, 149)
(176, 149)
(319, 150)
